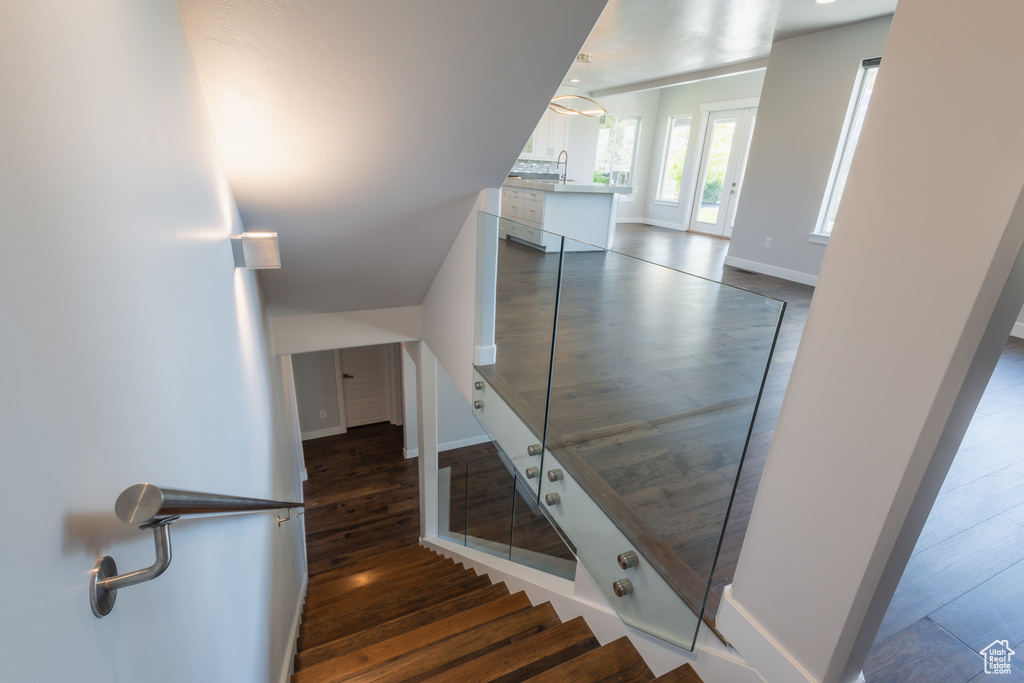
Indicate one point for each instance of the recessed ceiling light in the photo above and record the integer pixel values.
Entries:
(574, 80)
(824, 2)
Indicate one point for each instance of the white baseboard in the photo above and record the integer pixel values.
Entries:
(486, 355)
(629, 219)
(411, 453)
(663, 224)
(320, 433)
(756, 645)
(774, 271)
(1017, 331)
(288, 666)
(712, 660)
(462, 443)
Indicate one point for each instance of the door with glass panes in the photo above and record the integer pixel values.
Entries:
(723, 161)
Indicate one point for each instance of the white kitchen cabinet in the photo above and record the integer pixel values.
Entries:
(548, 138)
(522, 213)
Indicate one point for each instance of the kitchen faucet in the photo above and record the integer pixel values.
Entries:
(558, 163)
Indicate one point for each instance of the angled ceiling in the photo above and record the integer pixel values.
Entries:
(362, 131)
(638, 41)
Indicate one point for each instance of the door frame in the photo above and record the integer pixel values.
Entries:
(696, 180)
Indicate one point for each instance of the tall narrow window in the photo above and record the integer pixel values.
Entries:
(675, 158)
(616, 149)
(848, 145)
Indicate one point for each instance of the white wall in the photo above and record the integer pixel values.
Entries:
(449, 308)
(686, 100)
(316, 389)
(320, 331)
(456, 426)
(904, 329)
(581, 144)
(131, 350)
(806, 94)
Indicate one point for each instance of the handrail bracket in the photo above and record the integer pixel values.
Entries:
(104, 581)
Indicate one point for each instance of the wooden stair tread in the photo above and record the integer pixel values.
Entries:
(452, 650)
(386, 649)
(399, 625)
(390, 557)
(535, 653)
(683, 674)
(616, 661)
(332, 625)
(339, 587)
(394, 584)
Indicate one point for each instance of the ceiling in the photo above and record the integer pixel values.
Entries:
(639, 41)
(362, 132)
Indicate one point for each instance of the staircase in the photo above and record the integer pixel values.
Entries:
(380, 607)
(412, 615)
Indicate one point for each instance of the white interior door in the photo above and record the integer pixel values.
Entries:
(723, 160)
(363, 376)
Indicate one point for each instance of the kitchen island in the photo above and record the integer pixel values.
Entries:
(584, 212)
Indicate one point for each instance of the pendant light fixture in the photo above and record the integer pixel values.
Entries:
(577, 105)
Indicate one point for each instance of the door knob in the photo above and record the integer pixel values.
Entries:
(347, 376)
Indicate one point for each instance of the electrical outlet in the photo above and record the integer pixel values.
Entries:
(767, 242)
(323, 414)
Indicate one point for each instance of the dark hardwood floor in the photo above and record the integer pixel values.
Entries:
(655, 378)
(964, 585)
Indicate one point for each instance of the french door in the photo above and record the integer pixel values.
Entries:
(723, 161)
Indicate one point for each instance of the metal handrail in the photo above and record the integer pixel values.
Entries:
(154, 507)
(146, 503)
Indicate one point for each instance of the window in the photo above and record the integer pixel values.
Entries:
(675, 157)
(847, 146)
(616, 149)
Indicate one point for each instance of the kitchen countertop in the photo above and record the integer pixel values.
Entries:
(557, 186)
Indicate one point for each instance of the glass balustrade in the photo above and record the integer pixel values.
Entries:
(638, 385)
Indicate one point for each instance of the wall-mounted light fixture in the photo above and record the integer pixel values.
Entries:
(256, 250)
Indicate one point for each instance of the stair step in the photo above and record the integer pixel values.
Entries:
(329, 625)
(684, 674)
(523, 658)
(399, 583)
(616, 661)
(355, 563)
(399, 625)
(381, 651)
(452, 651)
(337, 587)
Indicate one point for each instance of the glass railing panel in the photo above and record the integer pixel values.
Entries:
(655, 381)
(489, 505)
(535, 541)
(451, 502)
(526, 287)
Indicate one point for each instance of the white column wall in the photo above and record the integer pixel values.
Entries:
(908, 319)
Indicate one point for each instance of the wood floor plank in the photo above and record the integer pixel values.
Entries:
(922, 651)
(993, 610)
(946, 571)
